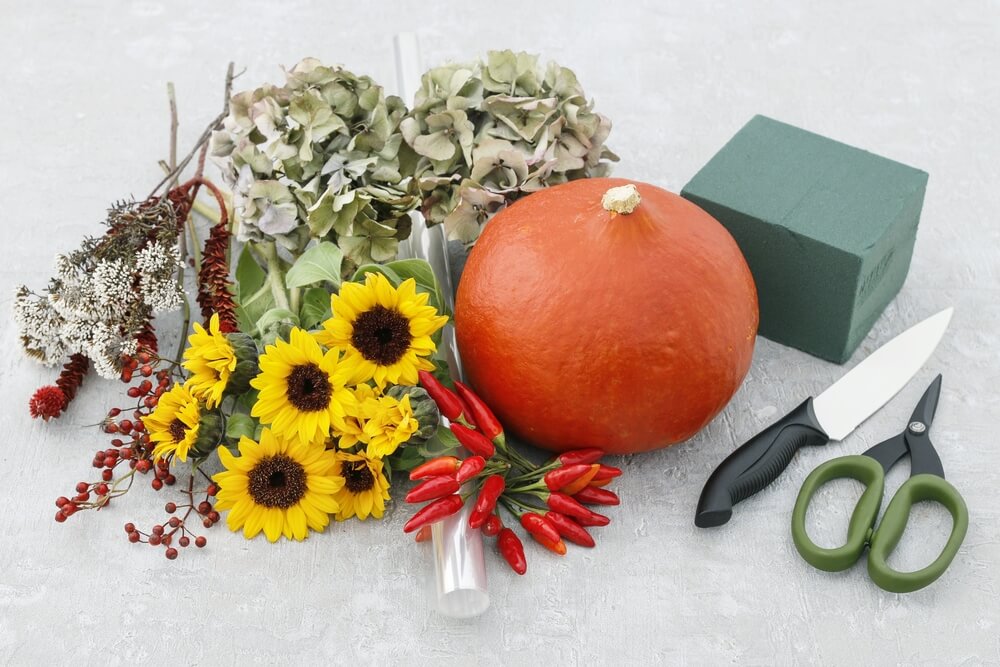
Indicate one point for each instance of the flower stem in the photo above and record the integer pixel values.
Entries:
(275, 274)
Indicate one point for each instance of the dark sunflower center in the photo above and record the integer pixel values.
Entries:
(357, 477)
(178, 430)
(277, 481)
(309, 388)
(381, 335)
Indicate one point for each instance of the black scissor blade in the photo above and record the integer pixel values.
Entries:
(924, 412)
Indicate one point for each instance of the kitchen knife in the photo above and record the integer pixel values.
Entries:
(830, 416)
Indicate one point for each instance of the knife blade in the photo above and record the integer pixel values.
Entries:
(830, 416)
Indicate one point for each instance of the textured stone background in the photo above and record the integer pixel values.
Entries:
(82, 121)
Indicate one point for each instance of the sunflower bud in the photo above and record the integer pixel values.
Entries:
(245, 350)
(209, 435)
(425, 411)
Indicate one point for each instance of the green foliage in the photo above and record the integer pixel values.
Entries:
(320, 263)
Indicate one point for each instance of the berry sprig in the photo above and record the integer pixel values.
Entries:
(176, 531)
(548, 500)
(130, 448)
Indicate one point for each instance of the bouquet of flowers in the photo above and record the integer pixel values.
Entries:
(315, 372)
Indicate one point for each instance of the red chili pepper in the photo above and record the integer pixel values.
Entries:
(486, 501)
(570, 529)
(481, 414)
(442, 465)
(424, 534)
(544, 532)
(597, 483)
(446, 400)
(493, 526)
(564, 504)
(470, 467)
(475, 442)
(593, 495)
(435, 511)
(593, 519)
(512, 550)
(607, 472)
(560, 477)
(582, 481)
(588, 455)
(435, 487)
(466, 413)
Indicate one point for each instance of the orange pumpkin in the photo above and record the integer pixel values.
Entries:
(605, 313)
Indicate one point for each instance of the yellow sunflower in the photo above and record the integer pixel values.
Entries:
(365, 489)
(302, 390)
(385, 331)
(210, 359)
(351, 430)
(388, 424)
(173, 425)
(278, 486)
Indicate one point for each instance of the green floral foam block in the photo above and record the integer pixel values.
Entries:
(827, 229)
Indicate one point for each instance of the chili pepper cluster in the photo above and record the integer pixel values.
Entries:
(548, 500)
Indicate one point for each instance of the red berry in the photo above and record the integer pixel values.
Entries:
(130, 527)
(156, 484)
(144, 357)
(111, 427)
(166, 540)
(204, 507)
(82, 497)
(60, 517)
(81, 487)
(157, 529)
(126, 376)
(184, 541)
(133, 392)
(133, 537)
(143, 465)
(154, 540)
(138, 426)
(125, 426)
(69, 509)
(61, 500)
(149, 401)
(126, 453)
(207, 522)
(171, 553)
(170, 507)
(107, 475)
(114, 412)
(117, 442)
(102, 489)
(200, 541)
(146, 370)
(214, 516)
(212, 489)
(174, 522)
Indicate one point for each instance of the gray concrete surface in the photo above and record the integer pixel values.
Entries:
(82, 122)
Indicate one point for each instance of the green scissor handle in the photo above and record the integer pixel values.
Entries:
(866, 470)
(897, 514)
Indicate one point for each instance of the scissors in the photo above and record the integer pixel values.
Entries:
(926, 482)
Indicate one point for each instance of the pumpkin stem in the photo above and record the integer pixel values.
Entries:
(622, 199)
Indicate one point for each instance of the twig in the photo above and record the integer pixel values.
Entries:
(203, 139)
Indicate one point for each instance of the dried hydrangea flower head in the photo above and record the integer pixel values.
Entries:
(487, 133)
(105, 292)
(318, 158)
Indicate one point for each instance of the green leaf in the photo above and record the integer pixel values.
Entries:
(423, 275)
(246, 401)
(315, 307)
(240, 425)
(406, 459)
(274, 317)
(365, 269)
(321, 263)
(441, 443)
(249, 274)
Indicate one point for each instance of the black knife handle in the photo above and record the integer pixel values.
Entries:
(757, 463)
